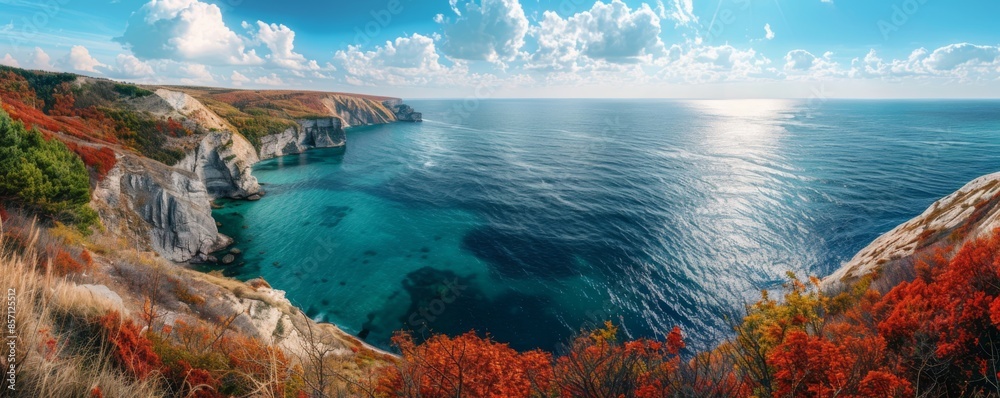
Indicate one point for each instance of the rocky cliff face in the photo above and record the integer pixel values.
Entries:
(178, 105)
(971, 212)
(223, 161)
(166, 208)
(311, 133)
(355, 111)
(403, 112)
(172, 205)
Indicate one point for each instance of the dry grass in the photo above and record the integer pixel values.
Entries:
(47, 364)
(59, 357)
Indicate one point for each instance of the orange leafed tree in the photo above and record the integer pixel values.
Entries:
(943, 324)
(132, 349)
(814, 366)
(466, 366)
(63, 101)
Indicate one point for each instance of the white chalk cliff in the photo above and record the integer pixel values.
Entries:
(169, 207)
(969, 213)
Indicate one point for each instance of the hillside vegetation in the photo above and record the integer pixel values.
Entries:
(92, 116)
(95, 319)
(43, 175)
(258, 113)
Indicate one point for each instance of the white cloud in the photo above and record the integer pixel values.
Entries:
(9, 61)
(803, 65)
(238, 79)
(195, 74)
(492, 31)
(127, 65)
(407, 61)
(610, 32)
(952, 57)
(912, 65)
(768, 33)
(185, 30)
(961, 61)
(270, 80)
(280, 41)
(680, 11)
(79, 59)
(869, 66)
(702, 64)
(41, 60)
(799, 60)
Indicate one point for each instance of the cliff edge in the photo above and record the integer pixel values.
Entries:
(971, 212)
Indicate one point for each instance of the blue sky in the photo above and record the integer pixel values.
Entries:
(522, 48)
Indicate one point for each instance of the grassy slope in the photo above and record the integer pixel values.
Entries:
(60, 355)
(256, 113)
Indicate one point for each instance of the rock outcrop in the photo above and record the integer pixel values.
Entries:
(263, 313)
(311, 133)
(971, 212)
(354, 111)
(405, 113)
(224, 161)
(221, 159)
(402, 112)
(179, 105)
(166, 208)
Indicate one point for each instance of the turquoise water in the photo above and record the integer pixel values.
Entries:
(529, 219)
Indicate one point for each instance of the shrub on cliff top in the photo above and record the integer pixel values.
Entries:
(132, 91)
(43, 175)
(148, 134)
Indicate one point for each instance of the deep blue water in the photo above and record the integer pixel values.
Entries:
(529, 219)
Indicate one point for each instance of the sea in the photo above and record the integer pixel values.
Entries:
(532, 220)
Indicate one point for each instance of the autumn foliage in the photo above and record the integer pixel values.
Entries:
(99, 159)
(132, 349)
(63, 101)
(197, 360)
(938, 335)
(465, 365)
(64, 263)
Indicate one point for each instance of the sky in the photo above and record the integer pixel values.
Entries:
(523, 48)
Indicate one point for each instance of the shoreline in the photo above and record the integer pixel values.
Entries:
(218, 265)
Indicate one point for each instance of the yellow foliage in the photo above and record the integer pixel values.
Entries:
(803, 308)
(69, 235)
(607, 334)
